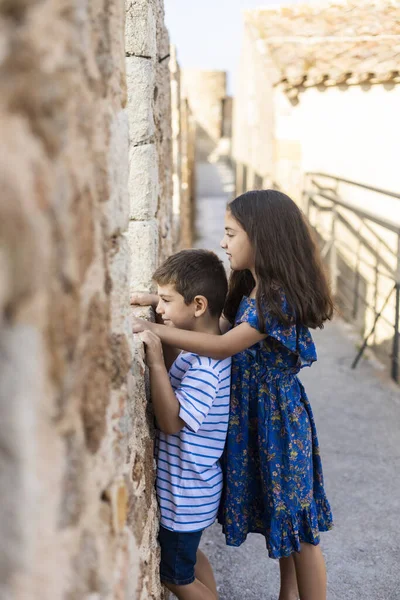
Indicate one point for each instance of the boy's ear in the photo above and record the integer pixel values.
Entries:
(200, 305)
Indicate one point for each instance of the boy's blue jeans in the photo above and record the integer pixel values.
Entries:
(178, 555)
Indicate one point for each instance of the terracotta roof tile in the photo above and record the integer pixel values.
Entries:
(352, 41)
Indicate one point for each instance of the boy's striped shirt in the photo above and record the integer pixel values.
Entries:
(189, 475)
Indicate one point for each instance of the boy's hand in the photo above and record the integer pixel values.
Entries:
(139, 325)
(154, 353)
(144, 299)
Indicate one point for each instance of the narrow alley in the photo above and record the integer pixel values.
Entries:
(126, 128)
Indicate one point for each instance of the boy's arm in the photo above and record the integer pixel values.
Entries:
(165, 403)
(148, 299)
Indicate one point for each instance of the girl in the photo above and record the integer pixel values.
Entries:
(274, 481)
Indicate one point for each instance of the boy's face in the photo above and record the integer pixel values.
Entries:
(172, 308)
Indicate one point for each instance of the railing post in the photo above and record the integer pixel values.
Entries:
(376, 280)
(357, 275)
(395, 353)
(333, 254)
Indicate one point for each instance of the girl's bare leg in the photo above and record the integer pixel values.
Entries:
(311, 572)
(289, 590)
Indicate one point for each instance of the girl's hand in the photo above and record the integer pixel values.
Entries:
(144, 299)
(154, 353)
(139, 325)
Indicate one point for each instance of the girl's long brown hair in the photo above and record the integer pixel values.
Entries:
(286, 259)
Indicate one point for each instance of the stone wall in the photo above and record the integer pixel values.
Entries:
(183, 145)
(65, 353)
(212, 111)
(206, 91)
(85, 216)
(149, 109)
(188, 175)
(150, 236)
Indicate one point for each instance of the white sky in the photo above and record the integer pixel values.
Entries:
(208, 33)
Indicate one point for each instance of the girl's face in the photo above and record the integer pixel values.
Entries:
(237, 245)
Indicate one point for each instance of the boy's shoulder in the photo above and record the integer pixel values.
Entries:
(190, 360)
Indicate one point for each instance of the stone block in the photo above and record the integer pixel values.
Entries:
(117, 495)
(140, 73)
(85, 566)
(117, 207)
(73, 480)
(96, 369)
(120, 359)
(140, 28)
(22, 365)
(119, 269)
(143, 182)
(163, 43)
(143, 243)
(206, 91)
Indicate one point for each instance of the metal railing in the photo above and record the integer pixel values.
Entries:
(358, 242)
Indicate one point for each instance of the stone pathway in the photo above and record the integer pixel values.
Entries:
(358, 420)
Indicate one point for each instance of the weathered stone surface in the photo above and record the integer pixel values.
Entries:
(117, 206)
(163, 44)
(162, 117)
(140, 74)
(85, 216)
(23, 200)
(141, 28)
(63, 175)
(119, 271)
(22, 384)
(86, 567)
(206, 91)
(143, 242)
(72, 487)
(120, 359)
(143, 182)
(177, 115)
(117, 495)
(96, 378)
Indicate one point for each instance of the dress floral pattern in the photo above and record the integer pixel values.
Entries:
(273, 472)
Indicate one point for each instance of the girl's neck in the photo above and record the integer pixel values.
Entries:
(254, 290)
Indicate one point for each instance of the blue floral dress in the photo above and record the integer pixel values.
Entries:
(273, 472)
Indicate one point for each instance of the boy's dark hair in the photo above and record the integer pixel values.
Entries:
(196, 272)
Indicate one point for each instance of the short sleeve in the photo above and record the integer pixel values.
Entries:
(196, 393)
(249, 315)
(295, 337)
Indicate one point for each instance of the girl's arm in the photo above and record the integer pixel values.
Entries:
(148, 299)
(145, 299)
(205, 344)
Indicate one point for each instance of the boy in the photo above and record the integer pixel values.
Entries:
(191, 406)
